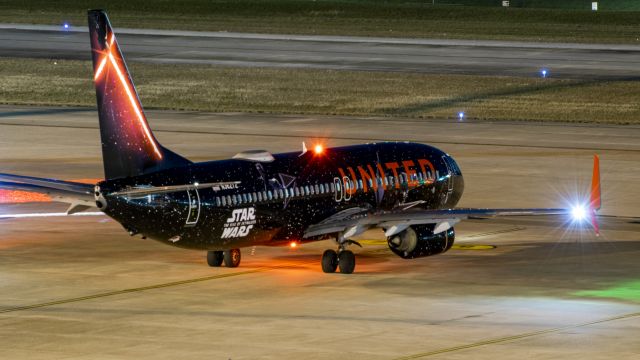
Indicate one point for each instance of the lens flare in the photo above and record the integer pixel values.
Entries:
(579, 213)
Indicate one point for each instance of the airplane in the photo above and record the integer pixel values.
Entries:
(409, 190)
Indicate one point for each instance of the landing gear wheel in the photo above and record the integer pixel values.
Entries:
(329, 261)
(214, 258)
(232, 258)
(346, 261)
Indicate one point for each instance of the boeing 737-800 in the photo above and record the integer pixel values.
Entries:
(408, 190)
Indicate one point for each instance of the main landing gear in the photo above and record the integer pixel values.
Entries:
(231, 258)
(343, 258)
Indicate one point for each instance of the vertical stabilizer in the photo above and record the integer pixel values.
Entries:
(128, 145)
(596, 198)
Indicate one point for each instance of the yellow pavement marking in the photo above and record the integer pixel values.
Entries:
(472, 247)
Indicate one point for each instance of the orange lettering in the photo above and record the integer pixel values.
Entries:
(368, 176)
(429, 175)
(393, 166)
(383, 176)
(411, 173)
(355, 180)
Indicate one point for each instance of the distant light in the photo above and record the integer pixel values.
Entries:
(65, 26)
(318, 149)
(461, 115)
(544, 73)
(579, 213)
(196, 184)
(293, 244)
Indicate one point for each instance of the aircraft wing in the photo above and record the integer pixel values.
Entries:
(399, 219)
(396, 221)
(79, 195)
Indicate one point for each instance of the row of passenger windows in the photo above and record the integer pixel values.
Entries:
(318, 189)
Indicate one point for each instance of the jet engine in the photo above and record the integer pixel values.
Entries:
(420, 241)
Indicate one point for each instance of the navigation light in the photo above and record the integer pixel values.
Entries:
(318, 149)
(579, 213)
(461, 115)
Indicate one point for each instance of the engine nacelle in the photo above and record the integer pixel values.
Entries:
(420, 241)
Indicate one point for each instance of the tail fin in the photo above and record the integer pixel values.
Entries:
(128, 145)
(596, 200)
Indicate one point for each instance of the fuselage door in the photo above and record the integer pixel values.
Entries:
(337, 184)
(193, 210)
(449, 166)
(347, 188)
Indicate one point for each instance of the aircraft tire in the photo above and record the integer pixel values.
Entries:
(329, 261)
(347, 261)
(215, 258)
(232, 258)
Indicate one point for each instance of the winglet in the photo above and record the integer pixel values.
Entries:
(596, 200)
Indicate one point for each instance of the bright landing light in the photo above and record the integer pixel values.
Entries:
(579, 213)
(318, 149)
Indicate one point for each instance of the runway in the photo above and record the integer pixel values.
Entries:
(587, 61)
(81, 287)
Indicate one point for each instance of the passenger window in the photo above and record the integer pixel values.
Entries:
(291, 192)
(306, 190)
(269, 195)
(280, 193)
(317, 189)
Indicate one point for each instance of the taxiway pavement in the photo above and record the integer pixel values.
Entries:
(589, 61)
(80, 287)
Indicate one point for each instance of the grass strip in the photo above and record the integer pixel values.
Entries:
(409, 18)
(302, 91)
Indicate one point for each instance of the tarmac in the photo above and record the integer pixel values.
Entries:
(80, 287)
(479, 57)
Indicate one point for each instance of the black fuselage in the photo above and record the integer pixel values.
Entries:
(272, 203)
